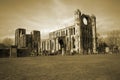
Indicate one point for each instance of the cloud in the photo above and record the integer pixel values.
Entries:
(49, 15)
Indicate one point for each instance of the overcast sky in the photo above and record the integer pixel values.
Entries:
(48, 15)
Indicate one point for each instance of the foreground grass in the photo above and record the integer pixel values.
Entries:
(83, 67)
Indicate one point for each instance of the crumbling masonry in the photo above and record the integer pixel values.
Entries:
(29, 41)
(80, 37)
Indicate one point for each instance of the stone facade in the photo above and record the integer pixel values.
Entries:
(31, 41)
(80, 37)
(18, 34)
(36, 41)
(13, 51)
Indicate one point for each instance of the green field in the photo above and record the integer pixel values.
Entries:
(82, 67)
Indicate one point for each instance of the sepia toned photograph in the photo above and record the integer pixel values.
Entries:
(59, 39)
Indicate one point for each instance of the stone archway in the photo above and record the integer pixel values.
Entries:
(61, 41)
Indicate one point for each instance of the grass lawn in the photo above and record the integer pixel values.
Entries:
(82, 67)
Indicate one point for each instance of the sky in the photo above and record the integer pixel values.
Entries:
(50, 15)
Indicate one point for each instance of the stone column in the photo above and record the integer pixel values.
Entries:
(57, 44)
(63, 52)
(93, 18)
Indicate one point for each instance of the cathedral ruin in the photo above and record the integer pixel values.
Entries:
(80, 37)
(29, 41)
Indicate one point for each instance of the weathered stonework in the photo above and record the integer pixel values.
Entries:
(30, 41)
(18, 34)
(13, 51)
(36, 41)
(80, 37)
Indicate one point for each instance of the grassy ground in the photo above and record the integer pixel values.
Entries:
(83, 67)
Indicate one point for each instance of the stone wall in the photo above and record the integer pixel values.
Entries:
(80, 37)
(4, 53)
(23, 52)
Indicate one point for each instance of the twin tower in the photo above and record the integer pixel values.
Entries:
(30, 42)
(80, 37)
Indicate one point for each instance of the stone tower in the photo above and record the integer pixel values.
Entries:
(85, 28)
(36, 41)
(18, 34)
(77, 23)
(93, 18)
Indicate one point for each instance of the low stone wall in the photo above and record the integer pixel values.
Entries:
(4, 53)
(9, 52)
(23, 52)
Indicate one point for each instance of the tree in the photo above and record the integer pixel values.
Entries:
(100, 39)
(7, 42)
(113, 38)
(101, 44)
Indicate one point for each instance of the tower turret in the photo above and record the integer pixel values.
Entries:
(77, 23)
(77, 15)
